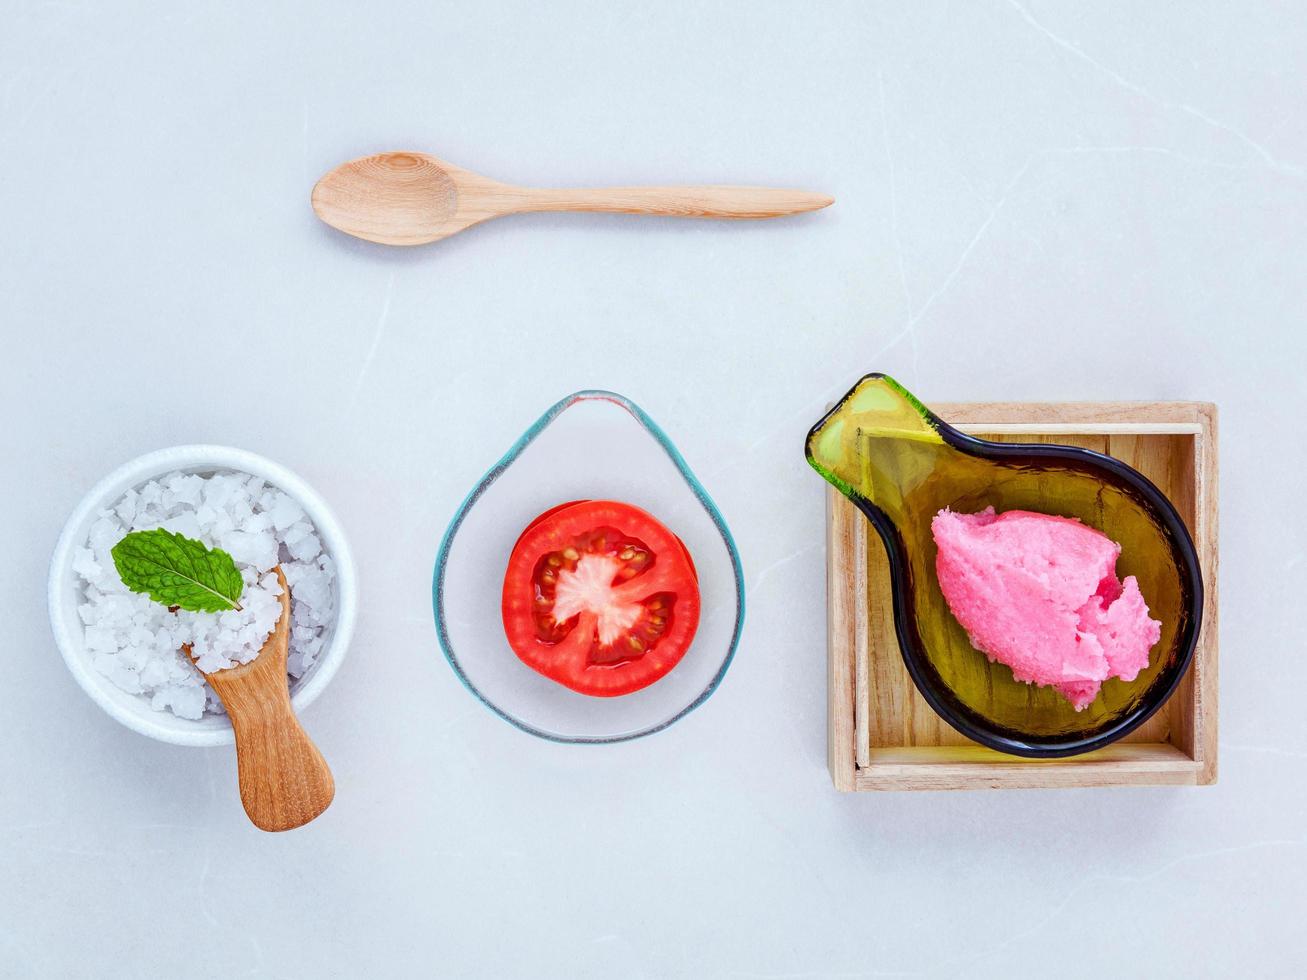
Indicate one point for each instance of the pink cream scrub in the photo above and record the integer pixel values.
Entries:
(1040, 594)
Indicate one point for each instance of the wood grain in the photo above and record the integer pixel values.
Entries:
(976, 767)
(408, 198)
(899, 741)
(704, 201)
(844, 598)
(1141, 417)
(1201, 714)
(284, 781)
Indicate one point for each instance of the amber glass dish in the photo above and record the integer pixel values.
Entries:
(900, 465)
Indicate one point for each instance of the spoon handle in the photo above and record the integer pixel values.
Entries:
(284, 781)
(684, 202)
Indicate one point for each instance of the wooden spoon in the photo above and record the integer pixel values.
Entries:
(284, 780)
(413, 198)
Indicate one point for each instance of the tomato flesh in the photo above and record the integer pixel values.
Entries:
(600, 597)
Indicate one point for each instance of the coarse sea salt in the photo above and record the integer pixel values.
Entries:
(136, 642)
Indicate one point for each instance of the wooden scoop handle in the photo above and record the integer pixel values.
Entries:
(284, 780)
(687, 202)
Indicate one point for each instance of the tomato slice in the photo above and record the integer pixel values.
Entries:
(572, 503)
(600, 597)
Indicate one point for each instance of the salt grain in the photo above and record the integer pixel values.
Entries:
(136, 642)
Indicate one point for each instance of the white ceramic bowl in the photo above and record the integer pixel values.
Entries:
(133, 710)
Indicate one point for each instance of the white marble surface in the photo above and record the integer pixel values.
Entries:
(1036, 200)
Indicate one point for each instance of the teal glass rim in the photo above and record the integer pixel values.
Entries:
(494, 473)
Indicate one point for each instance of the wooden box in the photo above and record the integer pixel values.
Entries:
(882, 733)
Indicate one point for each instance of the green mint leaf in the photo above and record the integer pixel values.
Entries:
(178, 572)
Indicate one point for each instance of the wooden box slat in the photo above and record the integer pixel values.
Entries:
(882, 733)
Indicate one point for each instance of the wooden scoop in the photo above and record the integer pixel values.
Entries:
(284, 780)
(414, 198)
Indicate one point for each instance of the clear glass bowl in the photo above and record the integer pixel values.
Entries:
(591, 445)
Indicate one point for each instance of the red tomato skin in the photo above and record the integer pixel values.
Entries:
(555, 529)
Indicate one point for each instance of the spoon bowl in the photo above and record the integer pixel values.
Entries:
(407, 198)
(390, 198)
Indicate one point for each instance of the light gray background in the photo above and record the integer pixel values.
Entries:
(1036, 200)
